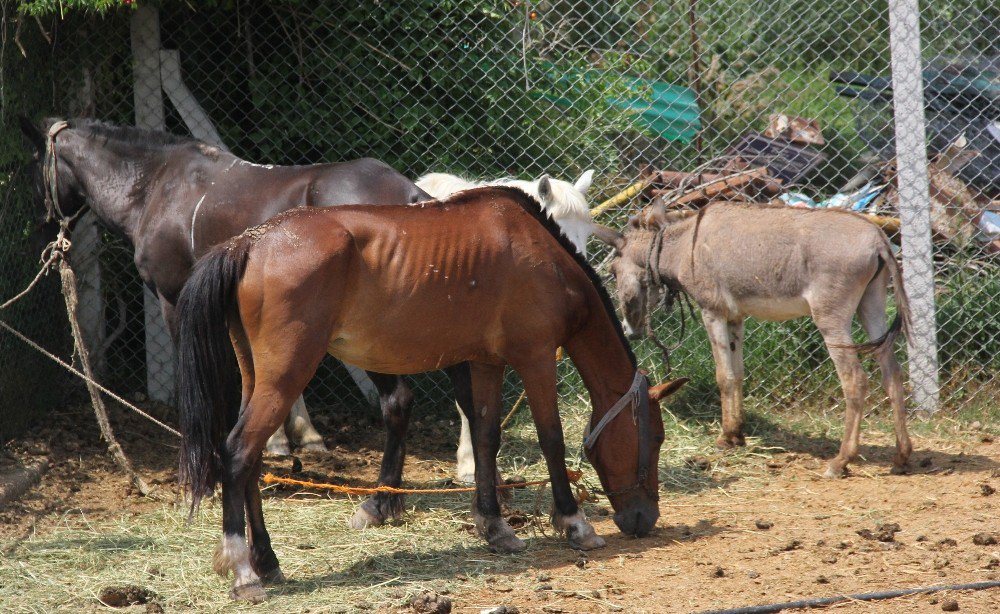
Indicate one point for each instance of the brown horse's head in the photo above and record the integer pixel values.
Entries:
(631, 482)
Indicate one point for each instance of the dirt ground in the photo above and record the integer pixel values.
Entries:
(780, 533)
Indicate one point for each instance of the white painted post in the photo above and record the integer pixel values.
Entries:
(145, 30)
(914, 198)
(85, 252)
(187, 106)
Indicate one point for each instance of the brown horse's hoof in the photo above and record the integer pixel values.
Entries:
(727, 442)
(253, 592)
(362, 519)
(270, 578)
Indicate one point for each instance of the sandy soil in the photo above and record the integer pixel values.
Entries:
(785, 534)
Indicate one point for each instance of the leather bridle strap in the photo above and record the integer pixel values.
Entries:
(630, 398)
(51, 174)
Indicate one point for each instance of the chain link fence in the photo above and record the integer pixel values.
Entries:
(514, 88)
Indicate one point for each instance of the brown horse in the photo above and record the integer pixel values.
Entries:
(400, 290)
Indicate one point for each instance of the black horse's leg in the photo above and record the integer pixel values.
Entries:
(396, 400)
(487, 393)
(461, 381)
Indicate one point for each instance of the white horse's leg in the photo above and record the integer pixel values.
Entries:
(466, 470)
(278, 444)
(301, 429)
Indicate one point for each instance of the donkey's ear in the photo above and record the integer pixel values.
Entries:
(657, 393)
(545, 189)
(610, 236)
(32, 133)
(583, 183)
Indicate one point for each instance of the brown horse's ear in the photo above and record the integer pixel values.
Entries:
(664, 390)
(610, 236)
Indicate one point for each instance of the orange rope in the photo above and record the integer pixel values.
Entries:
(270, 478)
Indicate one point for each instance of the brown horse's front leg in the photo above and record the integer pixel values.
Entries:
(396, 400)
(487, 389)
(567, 517)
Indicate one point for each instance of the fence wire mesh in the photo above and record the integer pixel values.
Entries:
(512, 88)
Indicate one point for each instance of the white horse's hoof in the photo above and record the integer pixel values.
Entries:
(279, 450)
(315, 446)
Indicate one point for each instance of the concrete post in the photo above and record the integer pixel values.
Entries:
(914, 198)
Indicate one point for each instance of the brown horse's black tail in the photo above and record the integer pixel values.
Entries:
(208, 387)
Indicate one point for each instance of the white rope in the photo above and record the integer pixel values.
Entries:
(77, 373)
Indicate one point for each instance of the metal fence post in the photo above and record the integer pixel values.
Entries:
(914, 198)
(145, 31)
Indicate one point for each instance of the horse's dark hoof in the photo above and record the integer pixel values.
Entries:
(272, 577)
(253, 592)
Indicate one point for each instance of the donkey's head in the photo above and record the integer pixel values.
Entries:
(630, 266)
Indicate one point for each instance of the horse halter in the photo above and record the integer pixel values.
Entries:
(636, 397)
(50, 177)
(665, 292)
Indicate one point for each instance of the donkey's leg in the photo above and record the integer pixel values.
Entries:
(300, 428)
(871, 312)
(396, 399)
(539, 379)
(728, 374)
(837, 334)
(487, 393)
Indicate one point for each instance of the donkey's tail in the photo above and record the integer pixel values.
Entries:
(902, 321)
(207, 379)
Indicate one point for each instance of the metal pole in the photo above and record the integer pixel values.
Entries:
(914, 198)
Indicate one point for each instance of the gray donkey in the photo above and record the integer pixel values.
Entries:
(772, 263)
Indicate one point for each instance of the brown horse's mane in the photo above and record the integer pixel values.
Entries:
(534, 208)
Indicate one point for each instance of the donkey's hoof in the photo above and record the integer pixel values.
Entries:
(273, 577)
(362, 519)
(834, 471)
(727, 442)
(901, 469)
(253, 592)
(507, 544)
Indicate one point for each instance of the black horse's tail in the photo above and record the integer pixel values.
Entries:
(208, 388)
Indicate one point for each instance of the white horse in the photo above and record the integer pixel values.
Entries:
(566, 204)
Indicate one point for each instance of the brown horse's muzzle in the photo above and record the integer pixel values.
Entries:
(637, 517)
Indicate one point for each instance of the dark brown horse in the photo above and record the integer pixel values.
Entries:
(406, 290)
(173, 198)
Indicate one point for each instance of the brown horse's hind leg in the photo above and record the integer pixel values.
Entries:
(539, 380)
(871, 312)
(487, 389)
(280, 374)
(396, 399)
